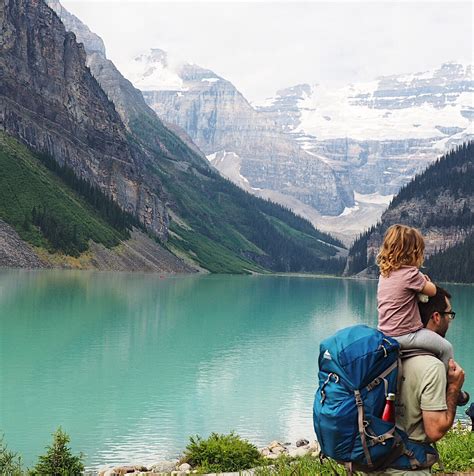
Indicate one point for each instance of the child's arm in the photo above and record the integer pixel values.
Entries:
(429, 288)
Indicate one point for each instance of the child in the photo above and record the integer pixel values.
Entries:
(400, 282)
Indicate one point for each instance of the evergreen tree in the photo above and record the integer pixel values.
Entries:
(447, 186)
(59, 460)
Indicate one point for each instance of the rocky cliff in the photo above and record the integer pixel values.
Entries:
(50, 100)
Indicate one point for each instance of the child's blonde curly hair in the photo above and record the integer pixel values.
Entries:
(402, 245)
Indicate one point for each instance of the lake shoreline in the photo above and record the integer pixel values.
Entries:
(204, 272)
(274, 450)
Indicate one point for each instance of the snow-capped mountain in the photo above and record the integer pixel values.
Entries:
(420, 106)
(382, 131)
(334, 155)
(221, 121)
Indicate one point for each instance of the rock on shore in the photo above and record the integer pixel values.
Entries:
(177, 468)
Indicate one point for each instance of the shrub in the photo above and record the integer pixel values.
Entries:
(10, 462)
(58, 460)
(456, 451)
(220, 453)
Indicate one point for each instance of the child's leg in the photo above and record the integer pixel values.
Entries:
(428, 340)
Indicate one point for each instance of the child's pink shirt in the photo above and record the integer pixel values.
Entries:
(397, 301)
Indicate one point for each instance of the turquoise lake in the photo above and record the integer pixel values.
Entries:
(131, 365)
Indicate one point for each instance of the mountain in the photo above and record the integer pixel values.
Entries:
(221, 121)
(50, 101)
(52, 218)
(91, 129)
(371, 137)
(382, 133)
(440, 203)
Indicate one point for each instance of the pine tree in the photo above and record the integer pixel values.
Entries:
(58, 460)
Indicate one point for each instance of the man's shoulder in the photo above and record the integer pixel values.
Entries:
(424, 360)
(422, 363)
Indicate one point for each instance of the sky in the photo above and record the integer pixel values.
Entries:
(263, 46)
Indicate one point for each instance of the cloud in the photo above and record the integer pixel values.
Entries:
(264, 46)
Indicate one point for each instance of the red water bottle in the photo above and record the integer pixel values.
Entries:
(389, 409)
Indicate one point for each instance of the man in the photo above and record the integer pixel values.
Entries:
(426, 406)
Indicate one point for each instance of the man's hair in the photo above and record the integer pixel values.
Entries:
(436, 303)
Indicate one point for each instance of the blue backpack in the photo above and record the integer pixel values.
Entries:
(358, 367)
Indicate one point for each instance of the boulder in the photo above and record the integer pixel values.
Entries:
(264, 451)
(164, 466)
(273, 444)
(278, 450)
(302, 442)
(298, 452)
(315, 447)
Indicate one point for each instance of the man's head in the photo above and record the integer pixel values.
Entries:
(435, 314)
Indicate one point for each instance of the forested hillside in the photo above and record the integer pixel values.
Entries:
(47, 212)
(454, 264)
(439, 202)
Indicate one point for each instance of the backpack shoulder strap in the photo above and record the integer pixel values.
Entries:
(360, 423)
(409, 353)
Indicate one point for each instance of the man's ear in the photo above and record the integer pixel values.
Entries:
(436, 316)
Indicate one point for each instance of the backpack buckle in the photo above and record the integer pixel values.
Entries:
(328, 378)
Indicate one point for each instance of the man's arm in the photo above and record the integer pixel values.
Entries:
(437, 423)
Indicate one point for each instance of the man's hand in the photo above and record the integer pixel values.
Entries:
(455, 375)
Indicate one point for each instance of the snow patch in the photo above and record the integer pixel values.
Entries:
(361, 122)
(211, 157)
(351, 116)
(151, 73)
(267, 102)
(348, 211)
(375, 198)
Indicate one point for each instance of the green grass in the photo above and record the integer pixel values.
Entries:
(304, 466)
(456, 450)
(26, 183)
